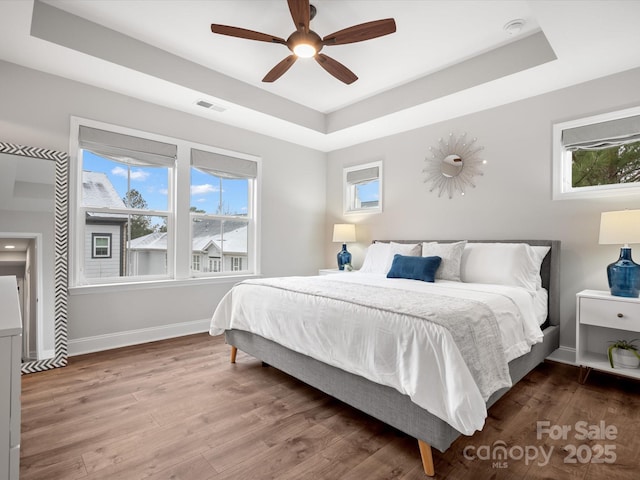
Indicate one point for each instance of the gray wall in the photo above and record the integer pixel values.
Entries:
(36, 110)
(513, 197)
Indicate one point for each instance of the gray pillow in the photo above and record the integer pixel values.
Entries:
(451, 254)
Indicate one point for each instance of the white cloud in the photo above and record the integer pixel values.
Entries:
(139, 175)
(203, 189)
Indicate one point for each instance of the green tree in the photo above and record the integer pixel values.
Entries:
(606, 167)
(140, 224)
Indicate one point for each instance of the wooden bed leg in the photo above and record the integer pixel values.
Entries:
(583, 374)
(427, 458)
(234, 351)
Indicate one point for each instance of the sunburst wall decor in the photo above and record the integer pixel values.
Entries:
(452, 164)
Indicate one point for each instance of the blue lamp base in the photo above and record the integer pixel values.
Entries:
(344, 257)
(624, 275)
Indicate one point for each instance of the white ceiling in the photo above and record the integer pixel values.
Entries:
(26, 184)
(15, 255)
(447, 58)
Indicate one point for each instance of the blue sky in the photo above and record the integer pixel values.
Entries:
(368, 192)
(152, 183)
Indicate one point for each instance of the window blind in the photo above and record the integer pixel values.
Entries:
(365, 175)
(127, 148)
(598, 136)
(223, 165)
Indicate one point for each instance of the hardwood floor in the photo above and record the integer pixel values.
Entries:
(177, 409)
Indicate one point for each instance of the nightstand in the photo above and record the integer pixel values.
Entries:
(601, 318)
(329, 271)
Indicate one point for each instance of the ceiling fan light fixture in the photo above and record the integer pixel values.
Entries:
(305, 43)
(304, 50)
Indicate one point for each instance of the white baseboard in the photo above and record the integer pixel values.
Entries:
(80, 346)
(564, 355)
(46, 354)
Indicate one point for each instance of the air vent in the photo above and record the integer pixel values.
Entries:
(514, 27)
(210, 106)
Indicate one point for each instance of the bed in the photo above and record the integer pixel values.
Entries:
(435, 417)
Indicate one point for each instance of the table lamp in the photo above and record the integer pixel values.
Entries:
(343, 233)
(622, 227)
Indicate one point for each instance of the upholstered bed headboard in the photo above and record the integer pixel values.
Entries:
(549, 272)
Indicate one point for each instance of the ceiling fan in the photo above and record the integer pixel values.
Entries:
(306, 43)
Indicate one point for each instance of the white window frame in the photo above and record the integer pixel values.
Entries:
(349, 190)
(179, 244)
(562, 171)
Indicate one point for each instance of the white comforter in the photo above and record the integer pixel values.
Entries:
(417, 358)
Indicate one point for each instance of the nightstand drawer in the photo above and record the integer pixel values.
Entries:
(611, 314)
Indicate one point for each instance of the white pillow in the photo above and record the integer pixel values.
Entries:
(379, 256)
(375, 260)
(539, 253)
(500, 263)
(451, 254)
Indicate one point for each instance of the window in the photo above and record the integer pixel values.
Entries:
(221, 208)
(101, 245)
(597, 156)
(236, 264)
(134, 221)
(195, 263)
(125, 187)
(363, 188)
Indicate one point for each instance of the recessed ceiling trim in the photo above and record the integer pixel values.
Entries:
(71, 31)
(581, 58)
(529, 52)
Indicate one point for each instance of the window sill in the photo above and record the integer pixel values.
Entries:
(187, 282)
(597, 192)
(363, 211)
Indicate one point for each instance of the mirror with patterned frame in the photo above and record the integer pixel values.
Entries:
(33, 199)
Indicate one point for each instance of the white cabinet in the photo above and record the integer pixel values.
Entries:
(600, 319)
(10, 361)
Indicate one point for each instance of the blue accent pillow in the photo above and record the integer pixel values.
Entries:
(414, 268)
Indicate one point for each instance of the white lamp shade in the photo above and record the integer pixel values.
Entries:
(344, 232)
(621, 227)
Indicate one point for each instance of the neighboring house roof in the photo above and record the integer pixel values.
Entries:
(153, 241)
(234, 241)
(98, 191)
(205, 235)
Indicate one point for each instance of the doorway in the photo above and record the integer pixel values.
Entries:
(20, 256)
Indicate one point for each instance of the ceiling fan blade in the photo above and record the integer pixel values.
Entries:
(361, 32)
(336, 69)
(300, 13)
(244, 33)
(279, 70)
